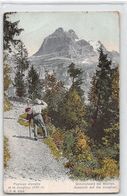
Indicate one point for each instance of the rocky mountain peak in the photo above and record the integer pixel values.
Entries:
(61, 48)
(58, 31)
(96, 45)
(65, 44)
(72, 34)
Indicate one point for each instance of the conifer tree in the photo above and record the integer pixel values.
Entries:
(54, 94)
(76, 77)
(21, 57)
(111, 137)
(7, 79)
(72, 110)
(34, 84)
(100, 96)
(74, 72)
(115, 92)
(21, 60)
(11, 32)
(20, 84)
(54, 90)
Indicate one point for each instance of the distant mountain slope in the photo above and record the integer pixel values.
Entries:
(61, 48)
(62, 43)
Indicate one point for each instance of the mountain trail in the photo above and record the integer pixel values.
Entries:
(30, 159)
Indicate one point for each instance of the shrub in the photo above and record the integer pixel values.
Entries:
(69, 165)
(72, 110)
(54, 150)
(102, 152)
(7, 104)
(111, 140)
(109, 169)
(81, 141)
(68, 144)
(81, 159)
(6, 152)
(51, 128)
(58, 138)
(82, 172)
(82, 145)
(78, 172)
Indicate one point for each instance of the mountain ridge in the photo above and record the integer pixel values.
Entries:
(61, 48)
(65, 43)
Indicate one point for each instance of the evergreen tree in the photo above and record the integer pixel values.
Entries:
(54, 94)
(76, 77)
(34, 84)
(110, 141)
(11, 32)
(21, 57)
(54, 90)
(115, 94)
(74, 72)
(100, 96)
(7, 79)
(111, 137)
(21, 60)
(20, 84)
(72, 110)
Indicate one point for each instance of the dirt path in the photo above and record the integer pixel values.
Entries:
(30, 159)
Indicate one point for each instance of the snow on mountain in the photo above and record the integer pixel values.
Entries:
(95, 44)
(113, 55)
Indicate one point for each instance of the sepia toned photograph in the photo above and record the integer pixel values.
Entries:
(61, 102)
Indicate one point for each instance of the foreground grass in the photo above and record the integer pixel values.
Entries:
(6, 152)
(54, 150)
(7, 104)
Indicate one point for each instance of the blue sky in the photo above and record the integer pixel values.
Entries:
(103, 26)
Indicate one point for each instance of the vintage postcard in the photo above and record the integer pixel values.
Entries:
(61, 102)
